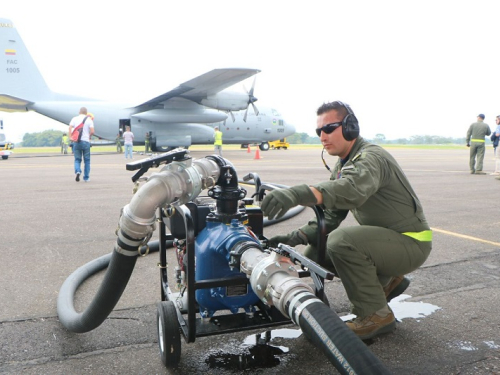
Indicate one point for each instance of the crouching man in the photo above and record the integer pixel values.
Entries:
(393, 238)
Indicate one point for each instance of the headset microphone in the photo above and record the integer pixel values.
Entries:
(324, 161)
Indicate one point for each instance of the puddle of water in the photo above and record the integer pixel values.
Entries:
(257, 353)
(259, 356)
(465, 345)
(404, 310)
(285, 333)
(413, 310)
(492, 345)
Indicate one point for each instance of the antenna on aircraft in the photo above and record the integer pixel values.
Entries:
(251, 99)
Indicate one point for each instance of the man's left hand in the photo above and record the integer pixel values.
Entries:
(279, 201)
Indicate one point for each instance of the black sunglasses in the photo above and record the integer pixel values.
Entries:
(328, 128)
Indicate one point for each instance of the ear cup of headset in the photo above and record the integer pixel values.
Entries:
(350, 125)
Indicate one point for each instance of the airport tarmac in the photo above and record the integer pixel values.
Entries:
(50, 225)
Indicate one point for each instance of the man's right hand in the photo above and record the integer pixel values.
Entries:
(297, 237)
(468, 144)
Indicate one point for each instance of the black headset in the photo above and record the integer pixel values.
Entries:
(350, 125)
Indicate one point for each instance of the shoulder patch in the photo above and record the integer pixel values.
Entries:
(359, 155)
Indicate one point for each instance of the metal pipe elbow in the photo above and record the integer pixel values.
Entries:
(177, 183)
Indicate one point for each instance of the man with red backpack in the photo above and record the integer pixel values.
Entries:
(81, 129)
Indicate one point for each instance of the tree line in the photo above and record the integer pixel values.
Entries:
(304, 138)
(47, 138)
(51, 138)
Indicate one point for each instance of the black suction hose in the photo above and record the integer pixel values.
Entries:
(120, 269)
(289, 214)
(327, 331)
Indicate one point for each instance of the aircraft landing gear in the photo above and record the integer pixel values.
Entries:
(264, 146)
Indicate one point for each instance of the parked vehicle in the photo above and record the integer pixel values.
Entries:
(5, 147)
(280, 143)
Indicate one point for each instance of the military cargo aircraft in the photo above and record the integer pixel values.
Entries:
(181, 117)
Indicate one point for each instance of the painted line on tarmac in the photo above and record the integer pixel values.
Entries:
(465, 236)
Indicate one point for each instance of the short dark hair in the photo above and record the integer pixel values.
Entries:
(332, 106)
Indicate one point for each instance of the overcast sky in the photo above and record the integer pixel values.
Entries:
(425, 67)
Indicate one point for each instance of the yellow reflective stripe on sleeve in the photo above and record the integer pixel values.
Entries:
(424, 236)
(477, 140)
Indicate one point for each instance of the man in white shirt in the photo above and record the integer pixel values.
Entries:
(81, 148)
(128, 141)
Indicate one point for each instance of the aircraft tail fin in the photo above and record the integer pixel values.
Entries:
(20, 79)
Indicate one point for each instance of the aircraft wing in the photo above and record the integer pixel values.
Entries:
(205, 85)
(12, 104)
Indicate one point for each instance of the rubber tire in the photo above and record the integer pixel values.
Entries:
(5, 157)
(264, 146)
(169, 338)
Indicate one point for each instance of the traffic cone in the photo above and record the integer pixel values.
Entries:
(248, 149)
(257, 154)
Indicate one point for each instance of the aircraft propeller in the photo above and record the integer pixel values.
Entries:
(251, 100)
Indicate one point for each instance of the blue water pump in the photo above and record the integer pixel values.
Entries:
(214, 245)
(224, 233)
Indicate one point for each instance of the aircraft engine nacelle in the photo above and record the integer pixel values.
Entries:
(227, 101)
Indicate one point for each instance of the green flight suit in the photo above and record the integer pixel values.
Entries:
(475, 138)
(373, 187)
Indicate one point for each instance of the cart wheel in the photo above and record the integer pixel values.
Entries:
(169, 339)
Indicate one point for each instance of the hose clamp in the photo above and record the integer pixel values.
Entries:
(301, 307)
(144, 242)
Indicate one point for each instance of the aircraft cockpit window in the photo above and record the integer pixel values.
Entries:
(275, 112)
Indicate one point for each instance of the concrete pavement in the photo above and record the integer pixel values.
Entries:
(50, 225)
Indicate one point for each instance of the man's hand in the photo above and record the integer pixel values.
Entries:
(468, 144)
(297, 237)
(279, 201)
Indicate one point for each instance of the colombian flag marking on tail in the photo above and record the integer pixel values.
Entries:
(10, 52)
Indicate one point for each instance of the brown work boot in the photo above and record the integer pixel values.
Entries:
(379, 322)
(395, 287)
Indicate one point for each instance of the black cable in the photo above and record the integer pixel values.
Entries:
(324, 161)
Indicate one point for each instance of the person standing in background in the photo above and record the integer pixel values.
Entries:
(146, 143)
(64, 144)
(81, 148)
(118, 142)
(495, 137)
(218, 141)
(475, 140)
(128, 138)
